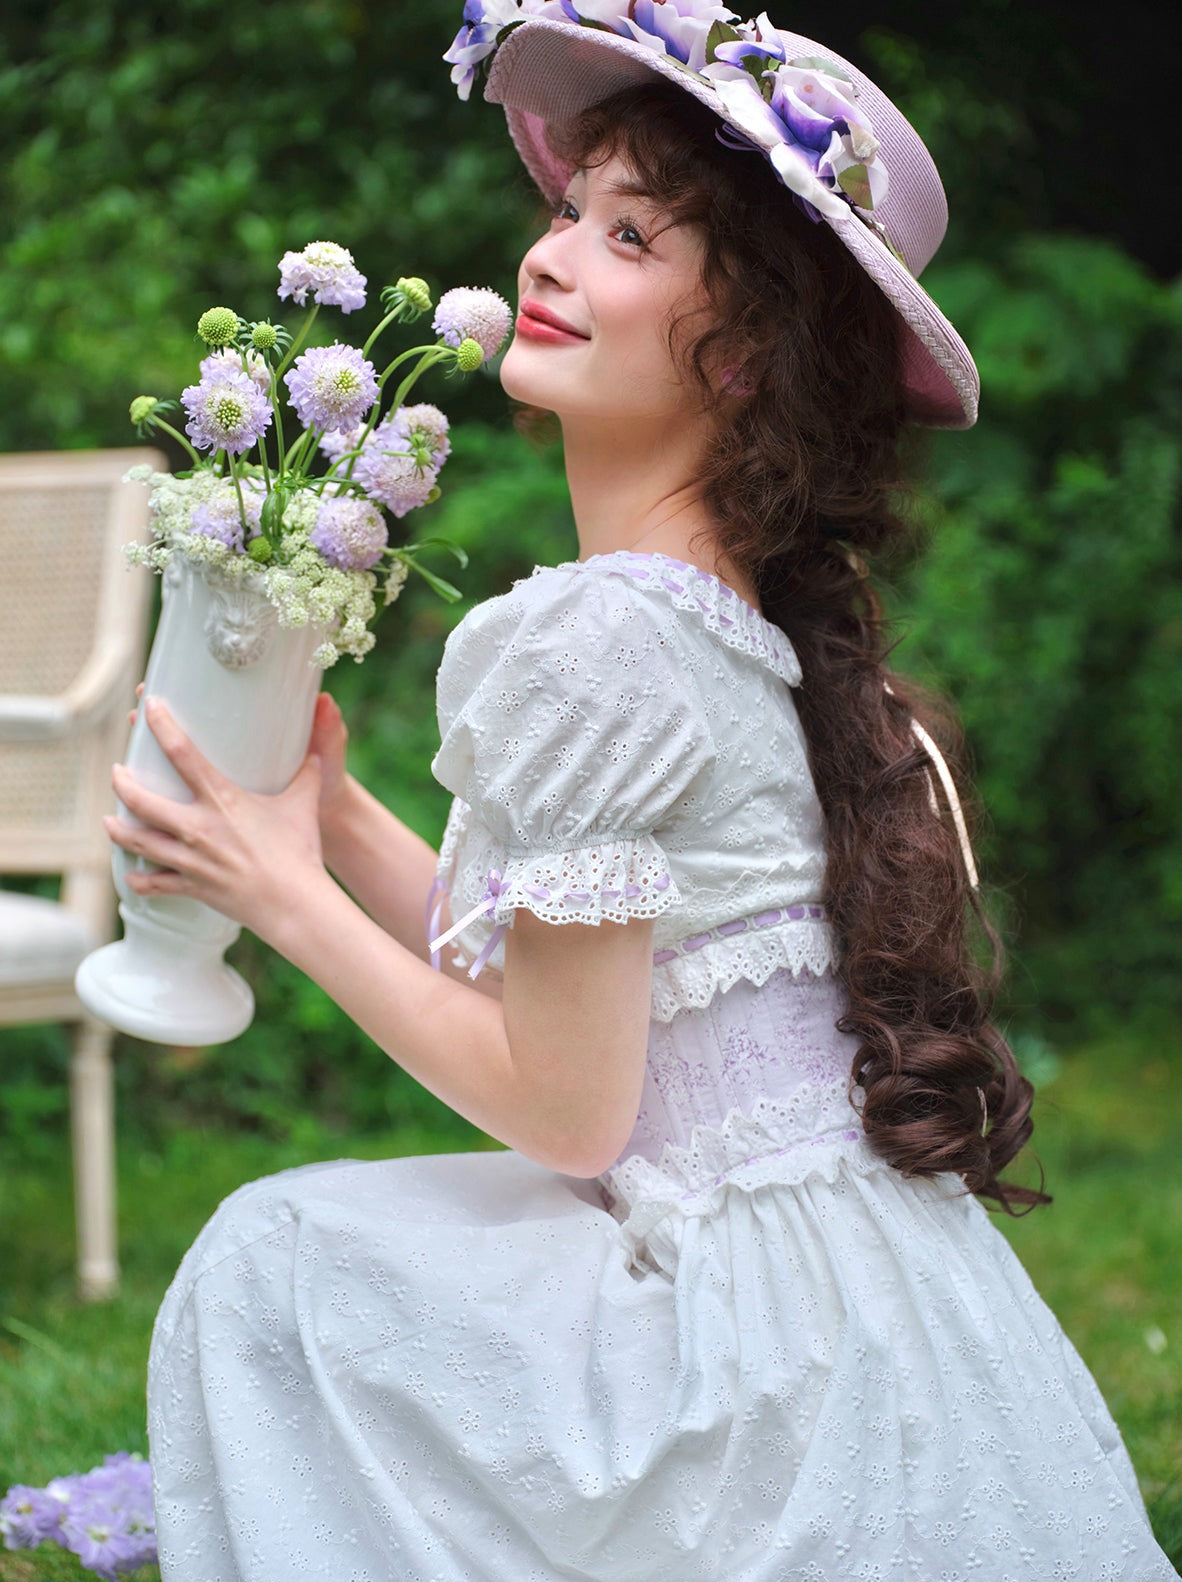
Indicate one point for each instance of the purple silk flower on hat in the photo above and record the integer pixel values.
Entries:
(679, 28)
(804, 116)
(483, 22)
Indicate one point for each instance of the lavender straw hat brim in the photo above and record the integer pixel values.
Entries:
(550, 71)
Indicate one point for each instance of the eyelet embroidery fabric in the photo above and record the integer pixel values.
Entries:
(629, 783)
(752, 1351)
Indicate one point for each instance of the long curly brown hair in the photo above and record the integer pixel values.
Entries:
(804, 481)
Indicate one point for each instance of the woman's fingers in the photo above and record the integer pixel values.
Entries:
(189, 762)
(152, 809)
(156, 845)
(139, 692)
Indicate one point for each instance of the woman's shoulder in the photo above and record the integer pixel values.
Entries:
(567, 625)
(627, 608)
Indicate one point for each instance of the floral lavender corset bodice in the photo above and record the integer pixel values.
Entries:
(621, 741)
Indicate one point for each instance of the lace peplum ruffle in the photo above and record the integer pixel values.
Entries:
(690, 980)
(813, 1132)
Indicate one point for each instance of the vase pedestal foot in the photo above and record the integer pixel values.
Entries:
(166, 988)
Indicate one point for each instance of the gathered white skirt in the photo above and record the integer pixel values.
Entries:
(754, 1353)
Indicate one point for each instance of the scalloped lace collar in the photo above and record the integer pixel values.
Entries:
(735, 622)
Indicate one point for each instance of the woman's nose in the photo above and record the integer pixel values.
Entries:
(549, 259)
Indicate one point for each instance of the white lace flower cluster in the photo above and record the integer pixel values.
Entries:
(304, 588)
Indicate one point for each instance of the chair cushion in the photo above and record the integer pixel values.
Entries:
(40, 941)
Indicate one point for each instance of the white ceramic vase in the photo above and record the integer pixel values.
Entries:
(244, 690)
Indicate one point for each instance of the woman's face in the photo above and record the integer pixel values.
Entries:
(596, 294)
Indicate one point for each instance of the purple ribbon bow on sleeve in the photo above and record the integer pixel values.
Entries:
(493, 887)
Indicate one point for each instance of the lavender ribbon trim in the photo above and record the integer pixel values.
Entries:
(486, 905)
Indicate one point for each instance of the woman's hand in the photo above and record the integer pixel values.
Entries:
(253, 858)
(327, 742)
(329, 737)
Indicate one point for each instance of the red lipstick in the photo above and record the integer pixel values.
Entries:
(541, 324)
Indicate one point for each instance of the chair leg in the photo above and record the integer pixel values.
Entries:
(92, 1111)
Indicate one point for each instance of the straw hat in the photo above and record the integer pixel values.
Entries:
(834, 139)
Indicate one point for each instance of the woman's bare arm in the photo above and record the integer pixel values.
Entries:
(554, 1070)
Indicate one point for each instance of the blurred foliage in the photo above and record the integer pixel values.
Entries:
(162, 160)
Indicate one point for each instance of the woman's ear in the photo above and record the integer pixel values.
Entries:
(736, 382)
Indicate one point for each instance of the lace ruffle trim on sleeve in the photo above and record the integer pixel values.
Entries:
(610, 881)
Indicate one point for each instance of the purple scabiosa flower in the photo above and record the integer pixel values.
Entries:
(332, 387)
(426, 428)
(473, 313)
(327, 271)
(389, 470)
(349, 533)
(339, 442)
(221, 518)
(29, 1517)
(226, 411)
(228, 360)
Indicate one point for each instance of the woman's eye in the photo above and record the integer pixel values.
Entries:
(627, 233)
(566, 210)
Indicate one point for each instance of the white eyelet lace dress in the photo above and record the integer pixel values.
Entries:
(752, 1351)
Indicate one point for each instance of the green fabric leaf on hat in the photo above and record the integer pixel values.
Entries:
(855, 183)
(819, 63)
(720, 33)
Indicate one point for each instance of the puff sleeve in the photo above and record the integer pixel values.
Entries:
(571, 728)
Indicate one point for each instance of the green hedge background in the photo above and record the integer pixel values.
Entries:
(161, 160)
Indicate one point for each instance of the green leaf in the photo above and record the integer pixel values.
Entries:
(445, 590)
(461, 555)
(720, 33)
(819, 63)
(855, 183)
(271, 516)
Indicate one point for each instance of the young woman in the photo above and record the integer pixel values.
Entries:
(729, 1307)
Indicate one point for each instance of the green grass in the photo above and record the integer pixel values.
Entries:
(1105, 1255)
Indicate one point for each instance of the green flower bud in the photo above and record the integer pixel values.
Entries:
(415, 291)
(271, 516)
(142, 407)
(433, 496)
(259, 549)
(264, 337)
(218, 326)
(469, 355)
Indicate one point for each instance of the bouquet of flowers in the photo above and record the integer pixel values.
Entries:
(104, 1516)
(305, 521)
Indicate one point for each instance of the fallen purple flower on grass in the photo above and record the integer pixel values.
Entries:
(104, 1516)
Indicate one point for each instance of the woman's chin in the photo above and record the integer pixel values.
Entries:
(520, 384)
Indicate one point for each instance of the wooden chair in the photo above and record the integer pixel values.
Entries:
(72, 625)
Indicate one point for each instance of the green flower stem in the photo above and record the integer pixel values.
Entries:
(426, 354)
(298, 342)
(158, 422)
(430, 356)
(301, 454)
(233, 463)
(277, 412)
(389, 319)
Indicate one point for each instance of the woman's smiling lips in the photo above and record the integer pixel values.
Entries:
(538, 323)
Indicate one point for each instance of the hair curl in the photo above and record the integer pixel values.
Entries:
(804, 479)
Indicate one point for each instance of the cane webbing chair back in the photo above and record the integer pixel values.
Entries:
(72, 624)
(72, 617)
